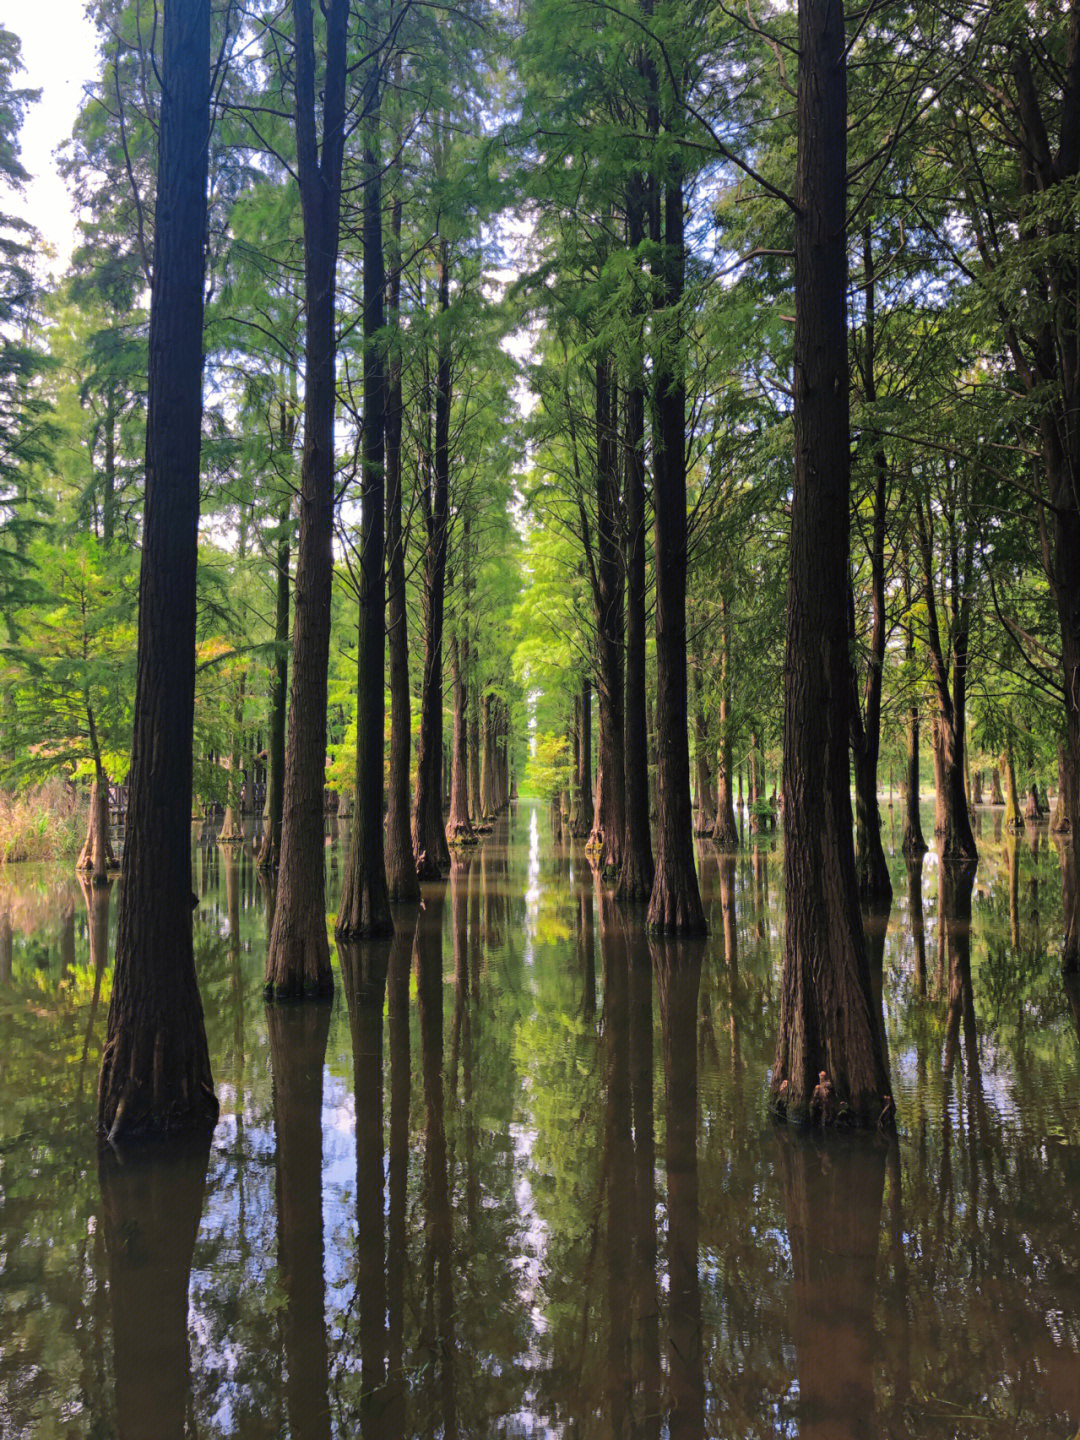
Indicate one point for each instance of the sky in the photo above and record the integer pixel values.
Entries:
(59, 53)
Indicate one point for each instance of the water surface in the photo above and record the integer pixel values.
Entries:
(518, 1178)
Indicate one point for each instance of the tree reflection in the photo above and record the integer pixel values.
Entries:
(833, 1200)
(151, 1206)
(438, 1276)
(298, 1035)
(677, 966)
(364, 968)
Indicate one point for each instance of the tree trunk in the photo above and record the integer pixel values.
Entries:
(365, 897)
(459, 826)
(953, 817)
(402, 883)
(298, 962)
(611, 822)
(151, 1206)
(476, 809)
(675, 903)
(828, 1020)
(429, 834)
(637, 874)
(155, 1069)
(298, 1039)
(586, 808)
(875, 887)
(270, 850)
(725, 831)
(705, 823)
(996, 795)
(1013, 820)
(487, 769)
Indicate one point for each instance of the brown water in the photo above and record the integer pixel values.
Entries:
(508, 1183)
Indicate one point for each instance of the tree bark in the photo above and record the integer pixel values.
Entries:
(705, 822)
(155, 1069)
(725, 831)
(459, 825)
(270, 849)
(609, 622)
(953, 820)
(402, 883)
(586, 813)
(637, 874)
(298, 962)
(828, 1020)
(487, 773)
(675, 904)
(365, 898)
(875, 887)
(429, 835)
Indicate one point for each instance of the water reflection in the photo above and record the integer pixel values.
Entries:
(151, 1205)
(832, 1201)
(518, 1179)
(298, 1036)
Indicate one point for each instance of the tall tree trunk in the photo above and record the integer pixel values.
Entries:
(298, 962)
(429, 835)
(155, 1069)
(828, 1020)
(476, 809)
(725, 831)
(675, 904)
(365, 897)
(609, 621)
(875, 887)
(1013, 819)
(487, 771)
(402, 883)
(953, 821)
(270, 849)
(913, 843)
(637, 874)
(459, 826)
(706, 811)
(586, 814)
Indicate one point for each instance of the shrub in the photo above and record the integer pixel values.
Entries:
(45, 823)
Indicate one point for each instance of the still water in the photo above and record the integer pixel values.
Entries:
(518, 1178)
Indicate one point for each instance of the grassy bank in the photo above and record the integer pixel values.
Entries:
(46, 823)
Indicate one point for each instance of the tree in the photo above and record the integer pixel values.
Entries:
(298, 962)
(155, 1069)
(829, 1019)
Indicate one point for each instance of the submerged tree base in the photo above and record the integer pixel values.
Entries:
(155, 1081)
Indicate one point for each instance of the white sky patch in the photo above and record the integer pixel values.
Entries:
(60, 55)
